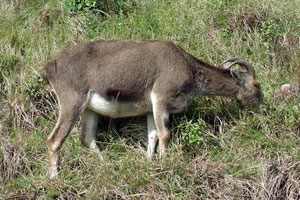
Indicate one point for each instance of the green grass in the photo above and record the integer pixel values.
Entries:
(218, 150)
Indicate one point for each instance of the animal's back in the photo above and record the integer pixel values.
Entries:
(117, 69)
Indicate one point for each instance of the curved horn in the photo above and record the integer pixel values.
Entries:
(229, 61)
(235, 61)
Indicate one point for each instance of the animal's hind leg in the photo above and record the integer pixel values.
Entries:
(89, 128)
(69, 113)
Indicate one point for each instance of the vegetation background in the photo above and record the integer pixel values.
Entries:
(218, 150)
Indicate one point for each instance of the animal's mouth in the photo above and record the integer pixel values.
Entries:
(251, 104)
(255, 106)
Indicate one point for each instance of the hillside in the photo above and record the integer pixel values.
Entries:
(218, 150)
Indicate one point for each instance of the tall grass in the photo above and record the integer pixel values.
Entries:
(218, 150)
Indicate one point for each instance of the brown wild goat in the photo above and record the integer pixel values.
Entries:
(130, 78)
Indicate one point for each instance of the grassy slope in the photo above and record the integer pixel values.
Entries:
(218, 150)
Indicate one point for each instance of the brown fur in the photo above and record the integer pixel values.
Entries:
(128, 71)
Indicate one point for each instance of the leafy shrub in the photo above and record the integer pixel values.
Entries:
(105, 7)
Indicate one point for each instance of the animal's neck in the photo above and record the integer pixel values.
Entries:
(215, 81)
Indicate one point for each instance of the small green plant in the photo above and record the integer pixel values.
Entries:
(191, 132)
(272, 32)
(104, 7)
(81, 5)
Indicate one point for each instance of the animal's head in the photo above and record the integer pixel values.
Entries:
(250, 93)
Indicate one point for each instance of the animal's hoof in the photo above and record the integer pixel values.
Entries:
(53, 173)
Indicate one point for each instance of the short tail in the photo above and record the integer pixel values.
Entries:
(49, 71)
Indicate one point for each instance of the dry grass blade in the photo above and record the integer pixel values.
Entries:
(21, 118)
(12, 161)
(281, 180)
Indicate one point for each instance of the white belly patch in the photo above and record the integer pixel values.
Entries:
(116, 109)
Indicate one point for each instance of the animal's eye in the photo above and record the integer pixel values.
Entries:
(256, 85)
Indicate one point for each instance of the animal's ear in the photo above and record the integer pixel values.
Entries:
(236, 73)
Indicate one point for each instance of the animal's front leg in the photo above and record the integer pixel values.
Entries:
(152, 136)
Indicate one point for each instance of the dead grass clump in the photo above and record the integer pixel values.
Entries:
(67, 192)
(45, 104)
(291, 41)
(281, 180)
(18, 196)
(246, 19)
(60, 191)
(211, 179)
(12, 160)
(23, 115)
(18, 114)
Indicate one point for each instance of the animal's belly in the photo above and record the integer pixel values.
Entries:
(116, 109)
